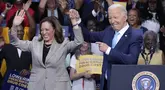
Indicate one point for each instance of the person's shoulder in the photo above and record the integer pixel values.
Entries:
(108, 28)
(65, 42)
(137, 31)
(8, 47)
(36, 38)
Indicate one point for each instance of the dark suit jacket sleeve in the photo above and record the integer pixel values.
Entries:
(1, 55)
(92, 36)
(133, 52)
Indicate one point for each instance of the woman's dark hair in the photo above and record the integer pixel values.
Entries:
(78, 51)
(57, 27)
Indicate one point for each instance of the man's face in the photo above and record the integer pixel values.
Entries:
(51, 4)
(20, 32)
(152, 4)
(19, 3)
(117, 18)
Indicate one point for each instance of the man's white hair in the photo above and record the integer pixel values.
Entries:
(121, 7)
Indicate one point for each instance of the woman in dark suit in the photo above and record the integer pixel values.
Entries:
(48, 52)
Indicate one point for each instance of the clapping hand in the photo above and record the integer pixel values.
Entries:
(74, 16)
(19, 17)
(8, 6)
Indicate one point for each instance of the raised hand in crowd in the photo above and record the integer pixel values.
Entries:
(27, 5)
(7, 8)
(63, 5)
(19, 17)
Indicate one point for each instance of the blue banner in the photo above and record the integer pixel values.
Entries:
(13, 81)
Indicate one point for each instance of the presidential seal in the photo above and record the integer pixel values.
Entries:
(145, 80)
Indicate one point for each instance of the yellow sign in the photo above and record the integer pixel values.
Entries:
(122, 3)
(92, 63)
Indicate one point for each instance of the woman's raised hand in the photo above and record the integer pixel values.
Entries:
(19, 17)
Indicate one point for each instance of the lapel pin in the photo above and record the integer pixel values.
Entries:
(125, 35)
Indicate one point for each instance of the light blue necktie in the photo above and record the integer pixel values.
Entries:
(114, 42)
(115, 39)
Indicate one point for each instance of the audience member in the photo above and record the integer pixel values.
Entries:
(141, 5)
(134, 18)
(48, 52)
(19, 4)
(32, 30)
(54, 8)
(16, 59)
(97, 10)
(81, 81)
(119, 42)
(92, 27)
(3, 14)
(150, 53)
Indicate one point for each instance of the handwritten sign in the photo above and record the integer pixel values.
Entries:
(13, 81)
(93, 63)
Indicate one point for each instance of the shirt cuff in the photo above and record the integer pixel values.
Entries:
(108, 51)
(94, 13)
(79, 21)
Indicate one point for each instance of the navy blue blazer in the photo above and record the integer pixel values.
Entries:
(126, 50)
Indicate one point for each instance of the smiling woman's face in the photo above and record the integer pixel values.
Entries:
(133, 17)
(47, 32)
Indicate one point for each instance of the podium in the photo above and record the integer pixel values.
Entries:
(137, 77)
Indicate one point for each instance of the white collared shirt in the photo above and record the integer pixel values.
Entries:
(19, 52)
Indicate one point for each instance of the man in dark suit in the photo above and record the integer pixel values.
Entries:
(16, 59)
(119, 42)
